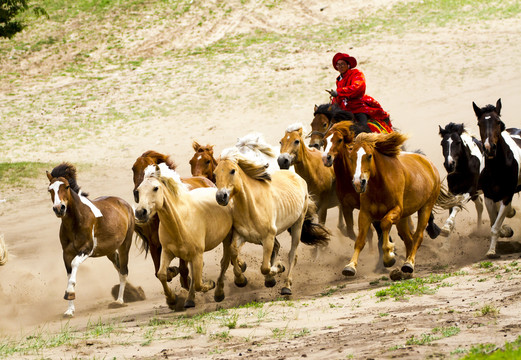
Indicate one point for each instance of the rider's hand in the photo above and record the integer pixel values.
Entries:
(332, 92)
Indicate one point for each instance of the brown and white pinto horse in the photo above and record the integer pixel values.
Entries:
(501, 177)
(265, 205)
(102, 227)
(203, 163)
(308, 164)
(148, 231)
(393, 185)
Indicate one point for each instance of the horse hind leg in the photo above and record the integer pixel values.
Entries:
(166, 259)
(296, 231)
(269, 279)
(225, 262)
(424, 217)
(196, 267)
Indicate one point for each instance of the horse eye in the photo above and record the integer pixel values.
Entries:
(156, 188)
(232, 171)
(369, 157)
(297, 142)
(207, 162)
(324, 125)
(67, 187)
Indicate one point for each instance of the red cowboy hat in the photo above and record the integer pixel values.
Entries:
(348, 59)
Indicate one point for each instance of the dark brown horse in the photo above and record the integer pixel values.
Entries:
(148, 232)
(203, 163)
(102, 227)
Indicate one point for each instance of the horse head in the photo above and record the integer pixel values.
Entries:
(290, 146)
(322, 121)
(148, 194)
(149, 157)
(337, 139)
(490, 126)
(203, 163)
(59, 189)
(452, 145)
(364, 149)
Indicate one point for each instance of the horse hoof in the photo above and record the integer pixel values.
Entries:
(282, 269)
(116, 305)
(189, 304)
(270, 283)
(493, 255)
(349, 271)
(285, 291)
(244, 267)
(506, 231)
(69, 296)
(512, 213)
(407, 268)
(217, 298)
(445, 232)
(68, 314)
(243, 284)
(390, 262)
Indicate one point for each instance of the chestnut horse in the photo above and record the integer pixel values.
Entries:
(102, 227)
(501, 177)
(308, 164)
(265, 205)
(4, 255)
(148, 231)
(190, 223)
(393, 185)
(203, 163)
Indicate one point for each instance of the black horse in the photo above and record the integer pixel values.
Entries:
(464, 162)
(501, 177)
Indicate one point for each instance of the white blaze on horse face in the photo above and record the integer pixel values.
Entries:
(55, 186)
(329, 144)
(358, 170)
(199, 157)
(449, 157)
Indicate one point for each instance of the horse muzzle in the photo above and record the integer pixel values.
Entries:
(360, 185)
(328, 159)
(223, 197)
(59, 210)
(317, 144)
(285, 161)
(141, 215)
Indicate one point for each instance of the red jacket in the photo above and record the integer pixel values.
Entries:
(351, 97)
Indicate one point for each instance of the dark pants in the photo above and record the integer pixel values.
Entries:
(361, 118)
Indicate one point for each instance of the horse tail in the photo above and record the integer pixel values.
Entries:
(145, 242)
(447, 200)
(432, 229)
(3, 251)
(313, 233)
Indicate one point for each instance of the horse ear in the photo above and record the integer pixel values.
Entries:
(196, 145)
(157, 173)
(316, 108)
(498, 106)
(49, 176)
(460, 129)
(442, 131)
(300, 132)
(477, 110)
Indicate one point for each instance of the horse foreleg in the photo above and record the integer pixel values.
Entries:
(196, 266)
(237, 242)
(225, 262)
(70, 293)
(496, 225)
(296, 231)
(364, 222)
(347, 211)
(478, 202)
(449, 223)
(166, 259)
(392, 217)
(267, 267)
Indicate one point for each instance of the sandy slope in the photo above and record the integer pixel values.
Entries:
(423, 79)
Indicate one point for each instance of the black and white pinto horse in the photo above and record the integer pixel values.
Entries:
(464, 161)
(501, 177)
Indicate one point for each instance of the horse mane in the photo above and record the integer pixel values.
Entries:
(345, 128)
(294, 127)
(334, 113)
(386, 144)
(489, 108)
(251, 168)
(159, 158)
(168, 177)
(453, 127)
(255, 142)
(68, 171)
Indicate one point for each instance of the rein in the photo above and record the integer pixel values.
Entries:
(316, 132)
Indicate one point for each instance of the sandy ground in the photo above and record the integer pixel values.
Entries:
(424, 79)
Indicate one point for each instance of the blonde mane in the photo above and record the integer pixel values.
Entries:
(168, 177)
(255, 142)
(251, 168)
(386, 144)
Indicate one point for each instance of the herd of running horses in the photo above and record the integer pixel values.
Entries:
(252, 193)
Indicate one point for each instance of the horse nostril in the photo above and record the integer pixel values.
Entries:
(363, 182)
(62, 207)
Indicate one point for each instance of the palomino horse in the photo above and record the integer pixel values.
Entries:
(102, 227)
(148, 231)
(464, 162)
(4, 255)
(308, 164)
(190, 223)
(392, 187)
(203, 163)
(324, 117)
(264, 206)
(501, 177)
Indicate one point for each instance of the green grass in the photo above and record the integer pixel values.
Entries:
(436, 334)
(417, 286)
(510, 351)
(17, 174)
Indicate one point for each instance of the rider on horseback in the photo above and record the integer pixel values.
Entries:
(350, 95)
